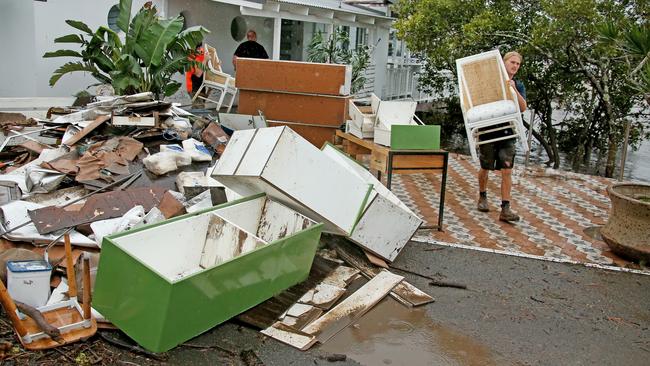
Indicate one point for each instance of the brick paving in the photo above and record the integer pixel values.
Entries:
(555, 208)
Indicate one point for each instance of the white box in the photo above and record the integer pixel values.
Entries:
(324, 186)
(29, 281)
(392, 113)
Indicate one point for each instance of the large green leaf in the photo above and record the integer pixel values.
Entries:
(171, 88)
(62, 53)
(70, 67)
(122, 82)
(125, 15)
(193, 35)
(156, 39)
(70, 38)
(139, 25)
(79, 25)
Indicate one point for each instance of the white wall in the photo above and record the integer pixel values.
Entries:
(217, 17)
(16, 38)
(28, 29)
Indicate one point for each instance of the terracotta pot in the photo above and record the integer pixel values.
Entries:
(627, 231)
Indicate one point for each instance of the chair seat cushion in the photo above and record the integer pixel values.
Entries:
(491, 110)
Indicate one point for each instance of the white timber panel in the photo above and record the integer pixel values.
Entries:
(385, 228)
(259, 151)
(236, 148)
(317, 182)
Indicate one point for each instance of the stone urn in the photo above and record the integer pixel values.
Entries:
(627, 231)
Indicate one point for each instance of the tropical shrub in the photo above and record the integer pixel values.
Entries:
(145, 60)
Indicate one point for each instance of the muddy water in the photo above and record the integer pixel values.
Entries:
(392, 334)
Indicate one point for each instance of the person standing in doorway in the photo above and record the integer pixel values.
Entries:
(500, 155)
(249, 49)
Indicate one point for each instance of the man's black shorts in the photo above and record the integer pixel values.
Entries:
(497, 155)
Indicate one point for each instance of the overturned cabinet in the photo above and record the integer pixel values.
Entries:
(165, 283)
(325, 185)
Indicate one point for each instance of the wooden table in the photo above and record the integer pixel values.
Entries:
(391, 161)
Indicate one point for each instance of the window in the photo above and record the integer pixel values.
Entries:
(238, 28)
(362, 37)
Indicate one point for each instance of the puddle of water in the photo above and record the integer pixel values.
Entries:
(392, 334)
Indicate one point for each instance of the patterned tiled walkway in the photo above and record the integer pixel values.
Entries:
(556, 208)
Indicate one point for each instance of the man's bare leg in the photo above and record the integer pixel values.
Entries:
(483, 176)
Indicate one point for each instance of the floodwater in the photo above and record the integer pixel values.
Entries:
(393, 334)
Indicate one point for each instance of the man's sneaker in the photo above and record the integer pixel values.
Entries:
(483, 204)
(508, 215)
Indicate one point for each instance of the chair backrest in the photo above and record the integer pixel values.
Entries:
(213, 58)
(213, 61)
(482, 79)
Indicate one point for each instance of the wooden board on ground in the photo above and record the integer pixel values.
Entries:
(293, 76)
(311, 109)
(265, 314)
(289, 335)
(353, 307)
(405, 293)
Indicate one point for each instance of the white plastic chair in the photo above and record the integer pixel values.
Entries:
(214, 79)
(487, 100)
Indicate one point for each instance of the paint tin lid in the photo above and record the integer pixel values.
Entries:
(29, 266)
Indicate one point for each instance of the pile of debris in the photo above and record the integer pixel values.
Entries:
(206, 218)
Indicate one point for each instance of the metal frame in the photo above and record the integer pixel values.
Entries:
(443, 183)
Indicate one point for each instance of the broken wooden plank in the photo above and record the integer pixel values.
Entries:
(405, 293)
(322, 296)
(289, 335)
(300, 315)
(353, 307)
(268, 312)
(311, 109)
(293, 76)
(86, 130)
(341, 276)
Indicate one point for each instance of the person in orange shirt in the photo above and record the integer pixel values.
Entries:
(194, 76)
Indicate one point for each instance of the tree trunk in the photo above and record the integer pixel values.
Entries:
(610, 165)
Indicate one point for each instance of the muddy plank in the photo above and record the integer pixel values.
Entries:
(353, 307)
(267, 313)
(289, 335)
(300, 315)
(322, 296)
(405, 292)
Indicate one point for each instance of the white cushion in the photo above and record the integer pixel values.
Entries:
(491, 110)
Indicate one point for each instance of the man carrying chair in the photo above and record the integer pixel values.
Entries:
(500, 155)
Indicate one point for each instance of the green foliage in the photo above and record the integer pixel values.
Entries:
(153, 51)
(333, 49)
(577, 56)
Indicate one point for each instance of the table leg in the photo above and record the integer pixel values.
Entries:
(441, 209)
(389, 176)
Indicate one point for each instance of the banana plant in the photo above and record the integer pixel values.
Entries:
(152, 51)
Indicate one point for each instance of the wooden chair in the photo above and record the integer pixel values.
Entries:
(214, 79)
(487, 100)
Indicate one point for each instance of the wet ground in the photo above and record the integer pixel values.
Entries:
(516, 311)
